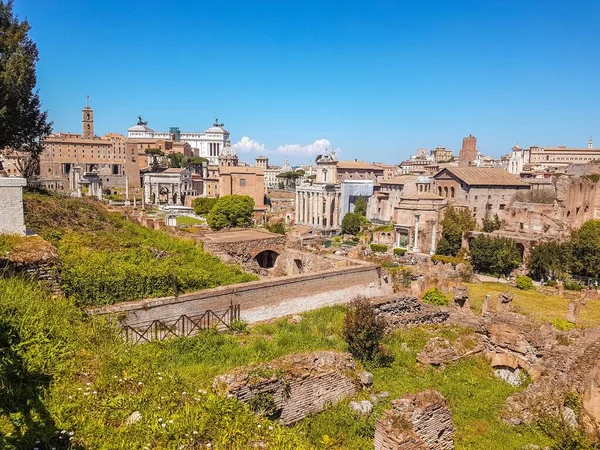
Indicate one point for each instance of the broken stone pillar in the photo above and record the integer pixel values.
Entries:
(573, 312)
(486, 307)
(419, 421)
(560, 287)
(461, 297)
(504, 301)
(11, 198)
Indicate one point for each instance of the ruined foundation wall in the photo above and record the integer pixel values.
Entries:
(307, 384)
(416, 422)
(261, 300)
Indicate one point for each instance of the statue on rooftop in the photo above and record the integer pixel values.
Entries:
(141, 122)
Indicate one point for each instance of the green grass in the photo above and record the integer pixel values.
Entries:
(542, 307)
(62, 370)
(183, 221)
(106, 259)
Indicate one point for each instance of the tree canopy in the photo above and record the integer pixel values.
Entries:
(550, 259)
(22, 123)
(585, 245)
(456, 221)
(495, 255)
(360, 207)
(231, 211)
(203, 205)
(351, 224)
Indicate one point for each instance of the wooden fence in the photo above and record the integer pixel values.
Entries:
(182, 326)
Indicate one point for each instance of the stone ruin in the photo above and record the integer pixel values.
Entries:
(292, 387)
(419, 421)
(461, 297)
(404, 311)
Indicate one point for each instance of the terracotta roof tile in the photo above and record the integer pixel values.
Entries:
(484, 176)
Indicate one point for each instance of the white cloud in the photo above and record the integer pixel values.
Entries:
(248, 145)
(317, 147)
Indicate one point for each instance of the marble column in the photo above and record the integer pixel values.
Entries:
(327, 220)
(127, 191)
(433, 240)
(170, 195)
(147, 192)
(416, 241)
(297, 207)
(179, 194)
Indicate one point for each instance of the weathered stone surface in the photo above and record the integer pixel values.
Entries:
(363, 407)
(486, 307)
(440, 351)
(405, 311)
(461, 297)
(504, 301)
(591, 393)
(366, 378)
(299, 385)
(419, 421)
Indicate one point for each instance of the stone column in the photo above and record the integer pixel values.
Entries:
(147, 193)
(170, 196)
(127, 203)
(297, 208)
(433, 239)
(309, 208)
(327, 220)
(304, 206)
(416, 242)
(99, 191)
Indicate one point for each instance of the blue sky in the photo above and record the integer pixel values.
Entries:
(376, 79)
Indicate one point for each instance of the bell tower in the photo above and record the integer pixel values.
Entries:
(87, 122)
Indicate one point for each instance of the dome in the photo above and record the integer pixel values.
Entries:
(217, 128)
(140, 129)
(423, 180)
(228, 150)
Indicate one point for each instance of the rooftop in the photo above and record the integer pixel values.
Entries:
(484, 176)
(357, 165)
(402, 179)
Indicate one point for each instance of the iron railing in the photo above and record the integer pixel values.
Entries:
(182, 326)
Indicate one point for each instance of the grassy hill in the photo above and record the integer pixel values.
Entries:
(106, 259)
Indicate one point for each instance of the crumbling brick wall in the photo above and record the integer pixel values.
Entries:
(297, 385)
(419, 421)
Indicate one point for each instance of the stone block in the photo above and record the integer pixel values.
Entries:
(363, 407)
(366, 379)
(12, 220)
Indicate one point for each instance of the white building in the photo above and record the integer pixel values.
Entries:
(208, 144)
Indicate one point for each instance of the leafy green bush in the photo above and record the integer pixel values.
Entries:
(434, 296)
(399, 251)
(351, 224)
(456, 221)
(379, 248)
(562, 324)
(276, 227)
(360, 207)
(524, 283)
(363, 331)
(571, 285)
(231, 211)
(551, 283)
(203, 205)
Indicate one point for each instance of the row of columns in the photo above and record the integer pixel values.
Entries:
(319, 209)
(154, 188)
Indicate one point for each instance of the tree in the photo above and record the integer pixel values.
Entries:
(22, 124)
(203, 205)
(176, 160)
(194, 163)
(495, 255)
(290, 178)
(456, 221)
(351, 224)
(231, 211)
(154, 154)
(490, 224)
(551, 259)
(363, 331)
(585, 244)
(360, 207)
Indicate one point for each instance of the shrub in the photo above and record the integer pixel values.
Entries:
(571, 285)
(203, 205)
(525, 283)
(276, 227)
(379, 248)
(231, 211)
(434, 296)
(399, 251)
(363, 331)
(351, 224)
(551, 283)
(562, 324)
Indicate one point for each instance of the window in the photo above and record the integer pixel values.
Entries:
(502, 206)
(242, 182)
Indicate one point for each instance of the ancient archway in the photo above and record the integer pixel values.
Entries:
(266, 259)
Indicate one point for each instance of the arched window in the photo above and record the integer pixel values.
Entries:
(440, 191)
(446, 191)
(452, 192)
(242, 182)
